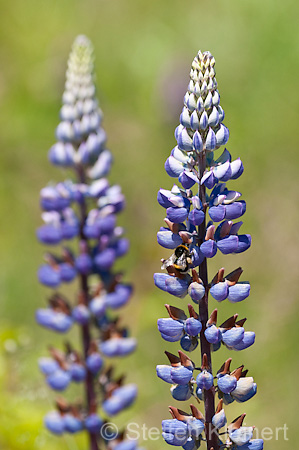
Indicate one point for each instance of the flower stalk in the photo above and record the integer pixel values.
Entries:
(198, 226)
(83, 210)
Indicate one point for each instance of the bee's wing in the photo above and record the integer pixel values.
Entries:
(168, 262)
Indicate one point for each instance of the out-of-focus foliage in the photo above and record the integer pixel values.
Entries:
(143, 52)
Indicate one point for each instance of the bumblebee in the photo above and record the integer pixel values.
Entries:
(180, 260)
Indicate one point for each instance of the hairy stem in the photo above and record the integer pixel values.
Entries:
(209, 396)
(86, 335)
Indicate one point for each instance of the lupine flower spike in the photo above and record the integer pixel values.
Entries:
(202, 218)
(83, 209)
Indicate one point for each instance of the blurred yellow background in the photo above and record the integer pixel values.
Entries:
(143, 54)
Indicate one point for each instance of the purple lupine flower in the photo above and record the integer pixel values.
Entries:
(203, 211)
(84, 208)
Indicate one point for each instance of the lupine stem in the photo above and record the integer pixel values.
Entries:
(86, 337)
(209, 395)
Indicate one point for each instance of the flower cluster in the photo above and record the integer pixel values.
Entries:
(198, 224)
(84, 209)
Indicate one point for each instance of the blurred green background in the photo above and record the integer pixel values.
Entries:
(143, 53)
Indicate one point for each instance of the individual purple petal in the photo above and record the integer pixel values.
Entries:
(181, 392)
(209, 179)
(238, 292)
(163, 372)
(244, 243)
(163, 198)
(98, 188)
(176, 286)
(77, 372)
(223, 171)
(118, 346)
(188, 179)
(169, 338)
(203, 121)
(241, 436)
(211, 140)
(195, 427)
(245, 390)
(217, 213)
(180, 375)
(194, 121)
(222, 135)
(247, 341)
(81, 314)
(189, 343)
(170, 327)
(226, 383)
(102, 166)
(69, 230)
(229, 244)
(97, 306)
(84, 264)
(91, 231)
(173, 167)
(177, 215)
(54, 422)
(209, 248)
(44, 317)
(72, 424)
(235, 210)
(176, 439)
(64, 131)
(49, 276)
(59, 380)
(237, 169)
(121, 247)
(219, 419)
(197, 256)
(160, 280)
(121, 398)
(197, 141)
(214, 117)
(180, 155)
(61, 322)
(93, 423)
(61, 154)
(233, 336)
(196, 291)
(185, 117)
(49, 234)
(119, 297)
(168, 239)
(94, 362)
(213, 334)
(185, 141)
(106, 224)
(105, 259)
(191, 101)
(48, 365)
(67, 272)
(196, 216)
(192, 326)
(219, 291)
(205, 380)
